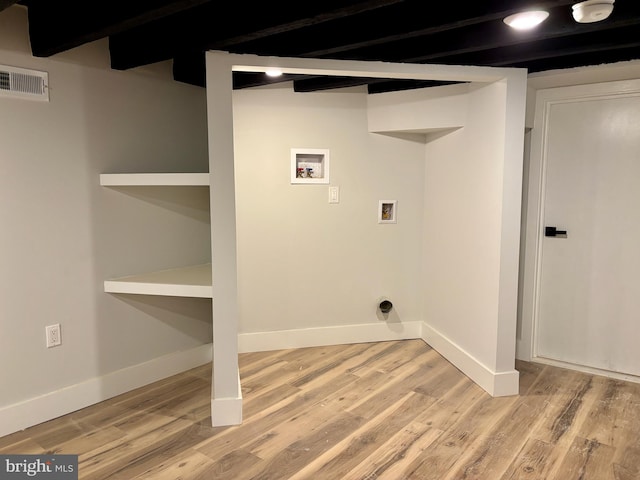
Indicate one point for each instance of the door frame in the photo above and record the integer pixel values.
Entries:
(533, 211)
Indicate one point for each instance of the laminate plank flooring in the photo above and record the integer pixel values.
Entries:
(388, 410)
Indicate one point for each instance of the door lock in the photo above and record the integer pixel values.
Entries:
(554, 232)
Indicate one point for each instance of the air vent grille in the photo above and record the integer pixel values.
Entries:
(23, 83)
(5, 81)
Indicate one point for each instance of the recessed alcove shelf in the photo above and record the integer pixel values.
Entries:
(191, 281)
(154, 179)
(187, 281)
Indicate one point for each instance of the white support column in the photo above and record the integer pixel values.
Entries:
(516, 93)
(226, 395)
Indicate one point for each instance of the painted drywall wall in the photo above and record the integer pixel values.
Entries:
(471, 236)
(420, 111)
(304, 263)
(62, 233)
(462, 228)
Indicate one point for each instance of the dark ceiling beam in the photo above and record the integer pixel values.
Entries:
(584, 60)
(322, 18)
(327, 83)
(388, 30)
(467, 44)
(561, 43)
(556, 57)
(208, 28)
(571, 56)
(480, 33)
(577, 54)
(160, 41)
(443, 39)
(506, 49)
(575, 46)
(56, 26)
(191, 68)
(375, 85)
(4, 4)
(248, 79)
(571, 43)
(403, 33)
(533, 61)
(397, 85)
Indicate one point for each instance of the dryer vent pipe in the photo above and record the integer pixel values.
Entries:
(385, 306)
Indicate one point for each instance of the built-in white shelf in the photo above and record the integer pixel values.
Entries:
(192, 281)
(154, 179)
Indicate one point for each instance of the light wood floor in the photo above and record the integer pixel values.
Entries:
(391, 410)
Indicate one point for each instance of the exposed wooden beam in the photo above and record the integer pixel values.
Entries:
(597, 43)
(190, 68)
(375, 85)
(207, 29)
(58, 26)
(329, 83)
(6, 4)
(577, 57)
(505, 49)
(247, 80)
(147, 31)
(396, 85)
(415, 27)
(465, 44)
(321, 18)
(573, 50)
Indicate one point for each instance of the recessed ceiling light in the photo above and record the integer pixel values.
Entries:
(274, 72)
(526, 20)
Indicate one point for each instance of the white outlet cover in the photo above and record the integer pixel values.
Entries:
(334, 194)
(53, 335)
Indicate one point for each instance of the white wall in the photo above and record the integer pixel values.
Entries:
(470, 234)
(304, 263)
(462, 229)
(62, 234)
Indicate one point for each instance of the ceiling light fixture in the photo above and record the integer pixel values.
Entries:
(274, 72)
(526, 20)
(592, 10)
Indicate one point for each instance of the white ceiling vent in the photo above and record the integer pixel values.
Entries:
(22, 83)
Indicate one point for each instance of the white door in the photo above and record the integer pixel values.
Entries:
(588, 308)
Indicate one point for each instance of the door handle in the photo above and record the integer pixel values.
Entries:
(554, 232)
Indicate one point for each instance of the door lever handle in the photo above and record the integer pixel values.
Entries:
(554, 232)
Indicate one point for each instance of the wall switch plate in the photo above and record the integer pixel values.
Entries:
(53, 335)
(334, 194)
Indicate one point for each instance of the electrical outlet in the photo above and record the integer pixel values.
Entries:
(53, 335)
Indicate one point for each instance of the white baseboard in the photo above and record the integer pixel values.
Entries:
(74, 397)
(627, 377)
(226, 411)
(321, 336)
(497, 384)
